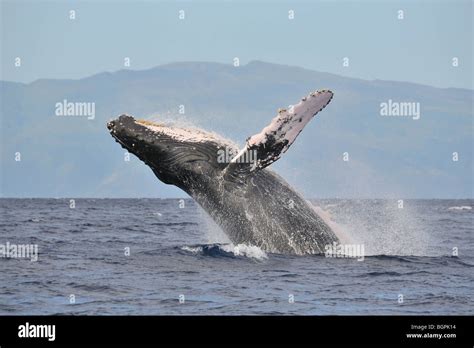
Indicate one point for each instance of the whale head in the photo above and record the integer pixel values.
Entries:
(177, 156)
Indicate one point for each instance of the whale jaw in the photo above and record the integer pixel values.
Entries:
(177, 156)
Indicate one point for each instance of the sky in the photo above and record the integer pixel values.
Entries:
(419, 48)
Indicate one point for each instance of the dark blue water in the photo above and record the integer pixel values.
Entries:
(173, 252)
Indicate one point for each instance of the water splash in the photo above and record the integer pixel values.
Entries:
(380, 225)
(213, 233)
(227, 250)
(338, 229)
(182, 121)
(251, 251)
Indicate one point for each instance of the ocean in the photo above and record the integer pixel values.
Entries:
(166, 256)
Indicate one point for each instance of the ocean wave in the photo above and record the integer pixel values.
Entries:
(461, 207)
(183, 223)
(432, 260)
(227, 250)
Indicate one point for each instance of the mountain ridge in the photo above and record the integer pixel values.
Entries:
(389, 156)
(251, 63)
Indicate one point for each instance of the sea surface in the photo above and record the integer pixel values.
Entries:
(153, 256)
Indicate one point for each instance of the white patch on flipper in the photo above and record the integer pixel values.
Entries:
(292, 123)
(284, 129)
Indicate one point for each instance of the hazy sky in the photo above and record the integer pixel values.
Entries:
(419, 48)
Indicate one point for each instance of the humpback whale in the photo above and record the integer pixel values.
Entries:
(250, 202)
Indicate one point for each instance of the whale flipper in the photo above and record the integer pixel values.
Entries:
(267, 146)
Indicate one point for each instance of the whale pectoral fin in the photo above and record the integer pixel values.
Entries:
(266, 147)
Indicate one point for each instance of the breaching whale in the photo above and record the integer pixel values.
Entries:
(251, 203)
